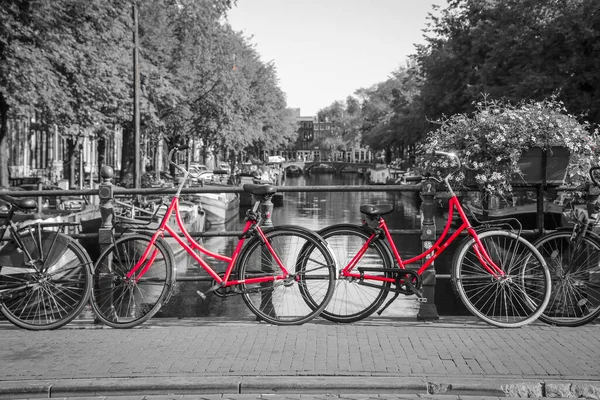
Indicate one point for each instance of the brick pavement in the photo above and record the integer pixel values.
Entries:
(454, 356)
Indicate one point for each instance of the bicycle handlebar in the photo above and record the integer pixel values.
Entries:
(174, 151)
(185, 172)
(448, 155)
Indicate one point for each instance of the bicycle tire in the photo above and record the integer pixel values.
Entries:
(352, 300)
(52, 290)
(514, 301)
(125, 302)
(575, 275)
(309, 262)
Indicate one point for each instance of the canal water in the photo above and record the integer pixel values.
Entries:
(313, 210)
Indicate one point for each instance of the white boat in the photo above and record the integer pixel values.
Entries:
(192, 215)
(132, 217)
(194, 219)
(380, 175)
(218, 207)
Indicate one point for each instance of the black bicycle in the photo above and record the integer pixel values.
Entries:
(573, 258)
(45, 275)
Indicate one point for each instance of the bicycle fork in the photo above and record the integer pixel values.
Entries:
(486, 261)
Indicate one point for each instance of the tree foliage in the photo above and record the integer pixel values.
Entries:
(514, 50)
(206, 81)
(58, 60)
(491, 141)
(70, 62)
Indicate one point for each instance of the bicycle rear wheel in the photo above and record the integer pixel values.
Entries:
(310, 264)
(575, 272)
(49, 290)
(356, 299)
(123, 301)
(514, 300)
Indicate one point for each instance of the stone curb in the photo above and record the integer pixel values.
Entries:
(422, 386)
(333, 384)
(119, 386)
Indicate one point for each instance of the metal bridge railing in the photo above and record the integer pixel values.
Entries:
(107, 193)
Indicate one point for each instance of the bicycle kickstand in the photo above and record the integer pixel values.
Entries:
(412, 288)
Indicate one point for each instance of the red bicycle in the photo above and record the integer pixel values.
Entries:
(500, 277)
(271, 268)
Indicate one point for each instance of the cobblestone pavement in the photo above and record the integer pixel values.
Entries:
(384, 358)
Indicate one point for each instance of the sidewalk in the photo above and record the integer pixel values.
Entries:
(391, 357)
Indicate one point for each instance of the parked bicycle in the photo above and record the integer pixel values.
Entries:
(45, 276)
(573, 257)
(499, 276)
(271, 268)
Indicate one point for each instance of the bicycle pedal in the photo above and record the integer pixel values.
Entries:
(210, 289)
(202, 295)
(422, 299)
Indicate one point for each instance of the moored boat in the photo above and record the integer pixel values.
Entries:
(378, 176)
(219, 207)
(131, 216)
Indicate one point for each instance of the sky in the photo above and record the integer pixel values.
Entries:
(324, 50)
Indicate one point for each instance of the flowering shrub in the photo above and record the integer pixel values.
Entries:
(491, 141)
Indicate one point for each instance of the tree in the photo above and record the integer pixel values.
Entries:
(513, 49)
(180, 58)
(61, 60)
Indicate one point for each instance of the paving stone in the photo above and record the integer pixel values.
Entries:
(458, 357)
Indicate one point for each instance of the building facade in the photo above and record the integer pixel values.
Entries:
(310, 146)
(40, 150)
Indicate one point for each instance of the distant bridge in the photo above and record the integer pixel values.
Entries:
(339, 166)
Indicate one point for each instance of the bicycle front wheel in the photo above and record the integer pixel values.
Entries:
(575, 272)
(355, 299)
(50, 289)
(515, 299)
(129, 289)
(280, 299)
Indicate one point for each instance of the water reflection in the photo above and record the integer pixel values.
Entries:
(313, 210)
(316, 210)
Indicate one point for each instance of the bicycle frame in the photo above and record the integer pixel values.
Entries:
(11, 227)
(433, 252)
(192, 246)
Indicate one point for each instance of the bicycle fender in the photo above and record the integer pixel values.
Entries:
(336, 226)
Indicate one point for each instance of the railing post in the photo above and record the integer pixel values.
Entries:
(266, 299)
(428, 310)
(40, 200)
(266, 209)
(106, 196)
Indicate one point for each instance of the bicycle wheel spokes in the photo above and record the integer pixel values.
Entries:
(575, 272)
(282, 300)
(513, 299)
(48, 291)
(123, 301)
(354, 299)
